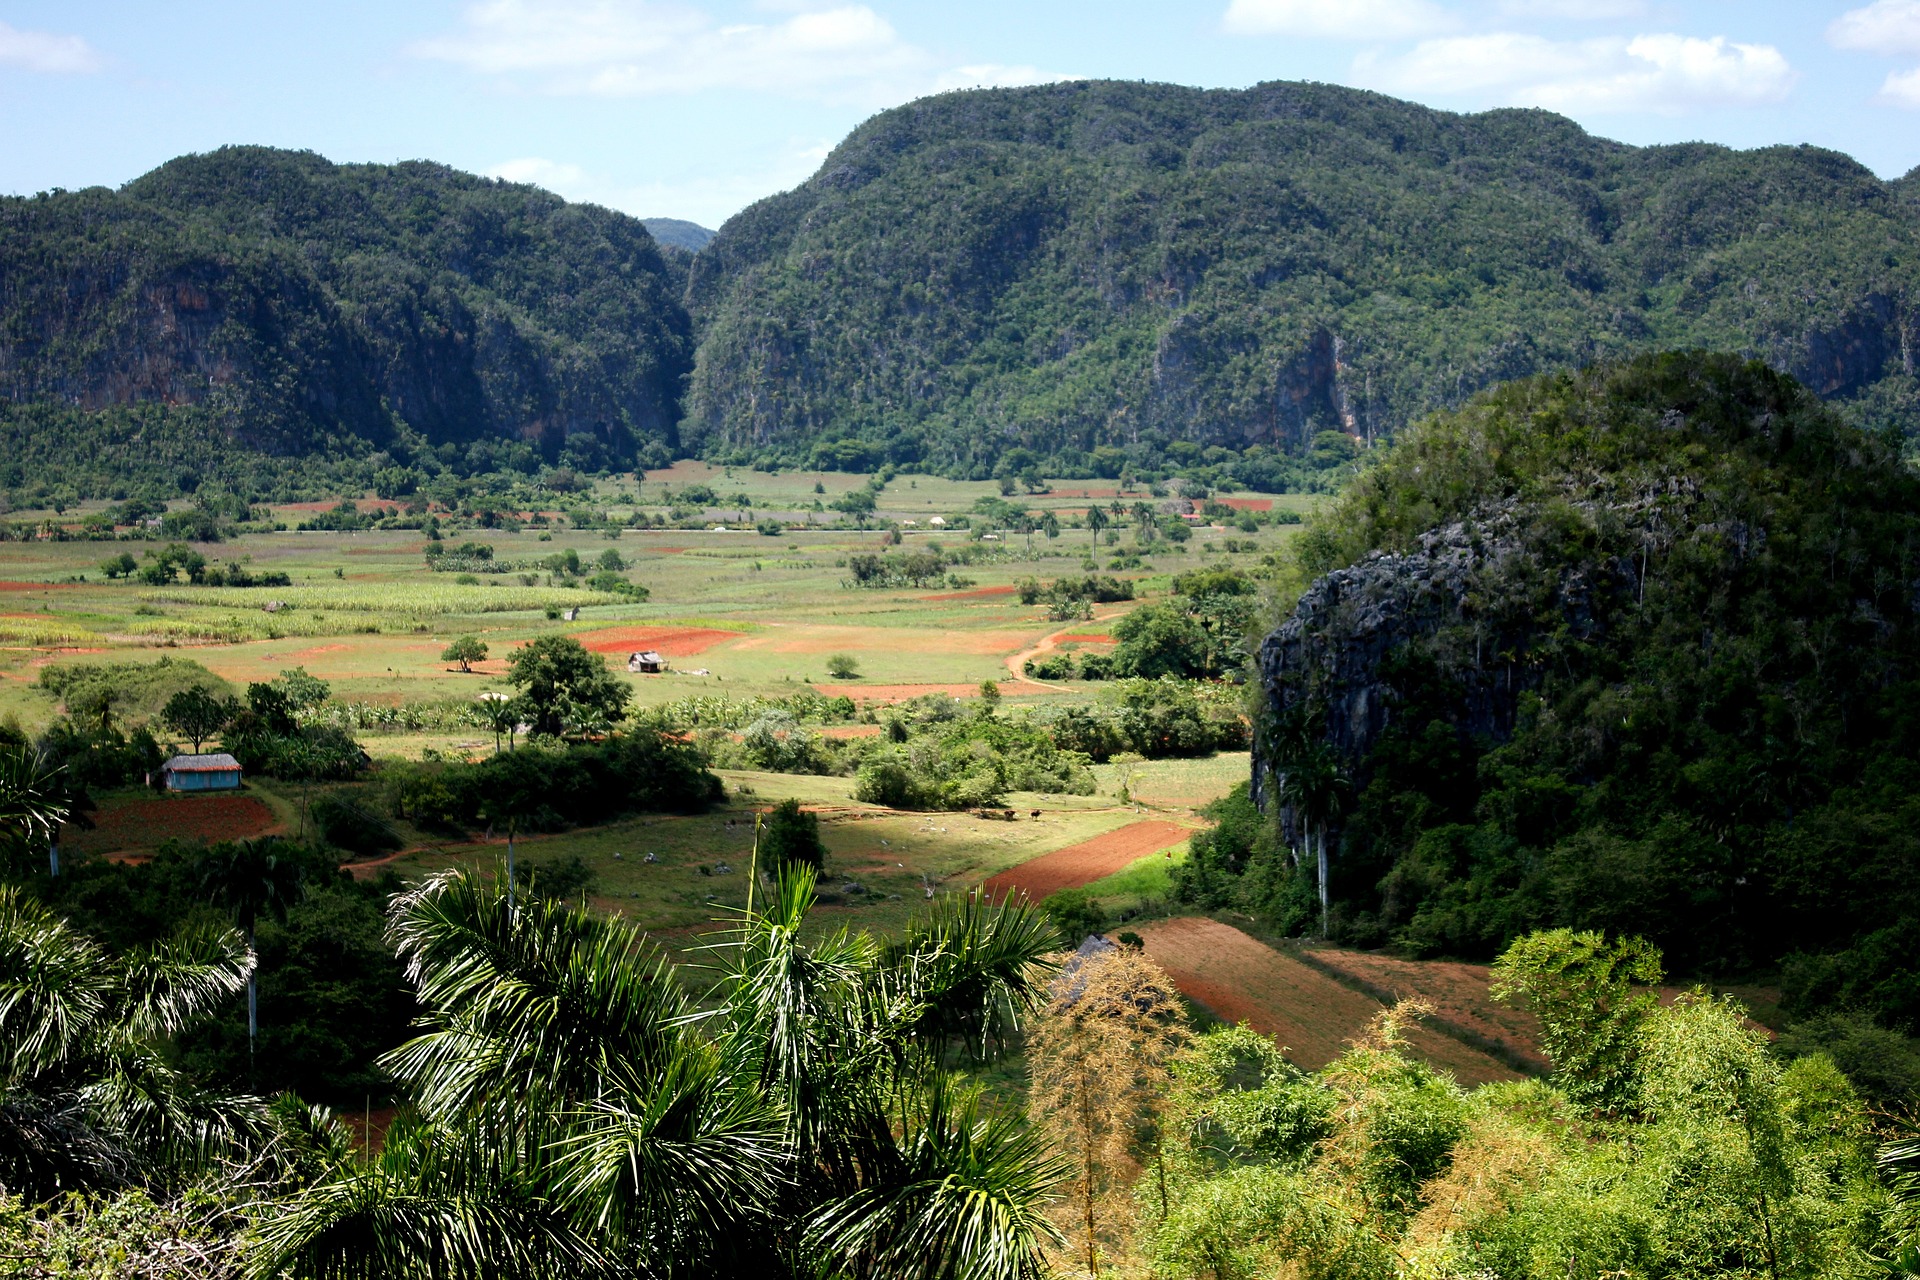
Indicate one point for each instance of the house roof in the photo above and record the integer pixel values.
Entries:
(219, 762)
(646, 656)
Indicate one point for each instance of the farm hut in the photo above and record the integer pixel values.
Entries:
(646, 663)
(938, 522)
(220, 772)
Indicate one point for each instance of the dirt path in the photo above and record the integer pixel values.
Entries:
(1083, 863)
(1017, 663)
(1241, 979)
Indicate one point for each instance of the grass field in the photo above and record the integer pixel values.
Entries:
(759, 614)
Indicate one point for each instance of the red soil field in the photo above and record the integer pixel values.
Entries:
(1247, 504)
(851, 730)
(62, 586)
(1457, 992)
(978, 593)
(1083, 863)
(145, 823)
(1083, 639)
(1241, 979)
(671, 642)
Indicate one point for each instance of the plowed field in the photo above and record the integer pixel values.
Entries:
(1241, 979)
(145, 823)
(1457, 992)
(1083, 863)
(672, 642)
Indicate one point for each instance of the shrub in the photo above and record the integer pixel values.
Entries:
(345, 825)
(789, 836)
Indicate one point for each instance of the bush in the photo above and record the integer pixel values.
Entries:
(345, 825)
(1076, 914)
(843, 666)
(790, 836)
(547, 790)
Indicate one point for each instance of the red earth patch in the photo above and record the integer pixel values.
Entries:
(671, 642)
(1090, 860)
(145, 823)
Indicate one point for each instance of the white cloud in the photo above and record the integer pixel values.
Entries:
(1575, 10)
(1885, 26)
(706, 198)
(1646, 73)
(551, 174)
(644, 47)
(41, 51)
(993, 75)
(1902, 89)
(1338, 19)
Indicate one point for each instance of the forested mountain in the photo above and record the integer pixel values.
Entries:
(1634, 649)
(298, 306)
(1089, 264)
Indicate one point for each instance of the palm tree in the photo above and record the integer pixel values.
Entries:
(32, 804)
(1314, 784)
(573, 1114)
(1096, 521)
(251, 878)
(88, 1097)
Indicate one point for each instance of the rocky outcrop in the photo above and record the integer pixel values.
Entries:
(1472, 603)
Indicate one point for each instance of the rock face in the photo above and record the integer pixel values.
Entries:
(1472, 603)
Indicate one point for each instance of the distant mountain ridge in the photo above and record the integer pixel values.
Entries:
(300, 306)
(677, 233)
(1079, 277)
(1127, 265)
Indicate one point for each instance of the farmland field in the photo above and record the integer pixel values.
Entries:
(1241, 979)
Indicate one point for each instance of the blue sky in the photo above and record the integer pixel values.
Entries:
(695, 108)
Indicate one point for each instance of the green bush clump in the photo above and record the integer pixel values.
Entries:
(549, 788)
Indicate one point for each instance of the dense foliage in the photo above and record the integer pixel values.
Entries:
(407, 315)
(1102, 274)
(1653, 671)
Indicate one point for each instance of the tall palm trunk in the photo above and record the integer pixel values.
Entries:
(1322, 843)
(253, 1002)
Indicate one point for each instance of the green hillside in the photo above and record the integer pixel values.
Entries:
(1635, 650)
(295, 306)
(1115, 264)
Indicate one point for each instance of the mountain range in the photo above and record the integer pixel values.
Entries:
(1095, 273)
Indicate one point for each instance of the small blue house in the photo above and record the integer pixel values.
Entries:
(220, 772)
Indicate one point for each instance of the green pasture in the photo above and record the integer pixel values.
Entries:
(365, 613)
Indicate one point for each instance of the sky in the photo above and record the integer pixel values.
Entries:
(696, 108)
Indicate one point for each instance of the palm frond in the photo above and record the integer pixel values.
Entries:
(968, 1204)
(183, 979)
(55, 985)
(683, 1159)
(534, 999)
(429, 1206)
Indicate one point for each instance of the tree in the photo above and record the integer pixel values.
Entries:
(1313, 782)
(559, 680)
(33, 804)
(120, 566)
(252, 878)
(790, 835)
(1096, 521)
(574, 1116)
(303, 692)
(1592, 998)
(843, 666)
(1050, 525)
(93, 1100)
(503, 714)
(1098, 1056)
(465, 650)
(197, 713)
